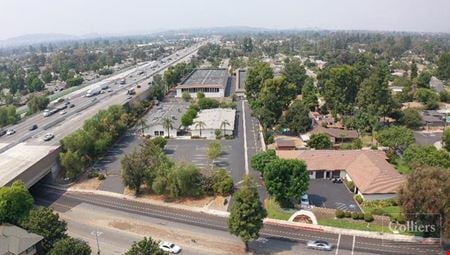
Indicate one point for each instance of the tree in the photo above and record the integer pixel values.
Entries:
(247, 45)
(46, 76)
(15, 202)
(319, 142)
(43, 221)
(411, 118)
(427, 97)
(133, 170)
(208, 103)
(70, 246)
(200, 125)
(426, 155)
(446, 139)
(160, 142)
(37, 103)
(142, 123)
(224, 125)
(145, 247)
(425, 198)
(396, 138)
(256, 75)
(247, 213)
(200, 95)
(286, 180)
(297, 118)
(167, 123)
(309, 94)
(443, 66)
(261, 159)
(72, 163)
(186, 96)
(423, 80)
(185, 180)
(214, 150)
(413, 70)
(295, 73)
(222, 183)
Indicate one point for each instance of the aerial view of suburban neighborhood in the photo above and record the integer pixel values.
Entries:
(243, 127)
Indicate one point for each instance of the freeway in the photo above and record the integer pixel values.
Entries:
(22, 129)
(344, 244)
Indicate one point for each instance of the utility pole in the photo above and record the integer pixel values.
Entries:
(98, 245)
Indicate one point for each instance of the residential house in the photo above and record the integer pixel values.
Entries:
(17, 241)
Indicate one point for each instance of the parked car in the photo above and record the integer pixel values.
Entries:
(48, 136)
(336, 180)
(10, 132)
(33, 127)
(169, 247)
(319, 245)
(304, 200)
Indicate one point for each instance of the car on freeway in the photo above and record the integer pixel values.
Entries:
(33, 127)
(2, 132)
(110, 90)
(71, 106)
(62, 112)
(48, 137)
(169, 247)
(10, 132)
(319, 245)
(67, 103)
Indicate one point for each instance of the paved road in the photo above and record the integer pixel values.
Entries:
(345, 244)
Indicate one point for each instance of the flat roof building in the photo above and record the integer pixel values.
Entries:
(210, 120)
(155, 118)
(212, 82)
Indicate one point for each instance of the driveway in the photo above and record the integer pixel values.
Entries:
(324, 193)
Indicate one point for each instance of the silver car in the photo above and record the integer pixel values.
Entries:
(319, 245)
(48, 137)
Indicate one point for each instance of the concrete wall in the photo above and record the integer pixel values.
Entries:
(159, 128)
(371, 197)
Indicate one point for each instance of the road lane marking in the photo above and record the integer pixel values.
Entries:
(337, 245)
(353, 244)
(245, 138)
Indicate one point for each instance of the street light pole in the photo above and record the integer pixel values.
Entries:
(98, 245)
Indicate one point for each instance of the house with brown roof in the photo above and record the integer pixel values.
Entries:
(373, 176)
(337, 135)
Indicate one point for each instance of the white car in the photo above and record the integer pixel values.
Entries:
(10, 132)
(48, 137)
(62, 112)
(169, 247)
(304, 201)
(319, 245)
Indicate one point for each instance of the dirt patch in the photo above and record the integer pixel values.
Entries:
(147, 195)
(86, 183)
(219, 203)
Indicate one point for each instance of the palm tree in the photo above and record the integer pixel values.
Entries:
(223, 125)
(167, 123)
(200, 124)
(143, 124)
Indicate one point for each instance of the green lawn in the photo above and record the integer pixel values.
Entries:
(357, 225)
(388, 209)
(401, 166)
(274, 211)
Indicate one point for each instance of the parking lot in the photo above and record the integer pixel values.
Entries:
(325, 193)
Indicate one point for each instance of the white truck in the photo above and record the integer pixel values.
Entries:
(93, 92)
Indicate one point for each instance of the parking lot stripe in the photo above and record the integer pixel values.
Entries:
(337, 245)
(353, 245)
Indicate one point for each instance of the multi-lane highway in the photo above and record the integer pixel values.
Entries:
(344, 244)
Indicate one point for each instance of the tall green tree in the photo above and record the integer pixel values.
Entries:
(37, 103)
(297, 118)
(256, 75)
(146, 246)
(286, 180)
(43, 221)
(261, 159)
(309, 94)
(319, 142)
(247, 213)
(214, 150)
(396, 138)
(70, 246)
(443, 66)
(426, 155)
(411, 118)
(167, 123)
(295, 73)
(134, 170)
(185, 181)
(15, 203)
(413, 70)
(446, 139)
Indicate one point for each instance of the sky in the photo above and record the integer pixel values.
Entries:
(78, 17)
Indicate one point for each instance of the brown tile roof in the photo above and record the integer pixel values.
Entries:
(285, 142)
(369, 170)
(336, 132)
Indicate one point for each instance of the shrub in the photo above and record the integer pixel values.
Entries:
(348, 214)
(92, 175)
(355, 215)
(101, 177)
(350, 185)
(368, 217)
(378, 211)
(399, 218)
(222, 183)
(359, 199)
(340, 214)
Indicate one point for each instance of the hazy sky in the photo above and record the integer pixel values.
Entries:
(18, 17)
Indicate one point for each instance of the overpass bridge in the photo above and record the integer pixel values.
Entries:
(26, 156)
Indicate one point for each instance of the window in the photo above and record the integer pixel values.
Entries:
(156, 133)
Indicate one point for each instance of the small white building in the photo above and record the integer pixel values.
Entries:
(210, 120)
(212, 82)
(157, 116)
